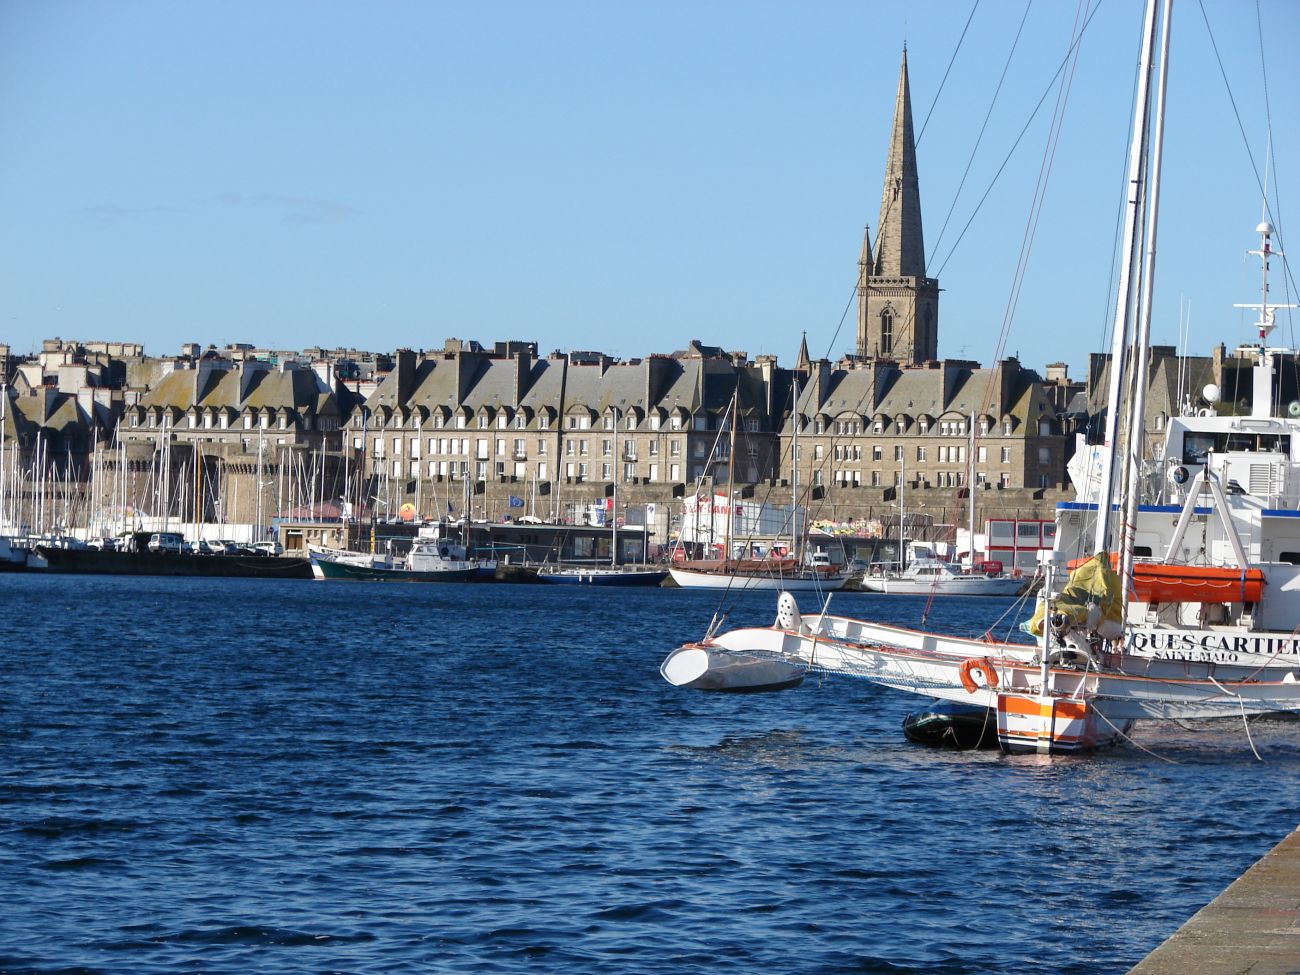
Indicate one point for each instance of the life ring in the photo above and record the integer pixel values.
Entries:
(986, 669)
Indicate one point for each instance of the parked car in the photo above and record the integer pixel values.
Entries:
(214, 546)
(106, 544)
(166, 542)
(268, 548)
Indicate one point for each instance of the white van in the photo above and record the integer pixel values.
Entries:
(166, 542)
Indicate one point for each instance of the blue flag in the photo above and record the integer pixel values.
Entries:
(516, 502)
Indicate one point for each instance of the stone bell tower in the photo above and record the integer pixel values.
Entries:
(898, 306)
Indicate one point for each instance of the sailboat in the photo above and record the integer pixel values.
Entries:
(613, 574)
(816, 575)
(1206, 630)
(925, 574)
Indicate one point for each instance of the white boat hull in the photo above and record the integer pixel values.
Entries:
(1078, 707)
(975, 585)
(692, 579)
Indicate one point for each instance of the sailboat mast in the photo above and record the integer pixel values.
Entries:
(1137, 426)
(4, 406)
(970, 495)
(902, 513)
(794, 474)
(1119, 345)
(613, 514)
(731, 475)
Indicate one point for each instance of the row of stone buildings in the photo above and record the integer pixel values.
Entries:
(244, 434)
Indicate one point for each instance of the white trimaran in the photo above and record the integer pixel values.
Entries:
(1210, 564)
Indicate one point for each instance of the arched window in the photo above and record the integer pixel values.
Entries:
(887, 331)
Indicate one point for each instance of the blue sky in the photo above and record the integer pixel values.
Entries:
(616, 176)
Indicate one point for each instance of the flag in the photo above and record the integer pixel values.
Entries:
(516, 502)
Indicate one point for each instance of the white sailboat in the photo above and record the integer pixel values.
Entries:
(614, 574)
(925, 574)
(1206, 631)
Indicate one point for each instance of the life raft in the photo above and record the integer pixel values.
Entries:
(1161, 582)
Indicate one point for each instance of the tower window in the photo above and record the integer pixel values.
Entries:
(887, 331)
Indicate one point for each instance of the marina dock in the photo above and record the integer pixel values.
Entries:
(1253, 926)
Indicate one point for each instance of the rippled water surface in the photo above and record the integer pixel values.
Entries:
(230, 776)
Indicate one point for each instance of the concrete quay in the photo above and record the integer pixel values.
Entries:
(1252, 928)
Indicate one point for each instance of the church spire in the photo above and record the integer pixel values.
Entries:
(804, 360)
(898, 306)
(900, 246)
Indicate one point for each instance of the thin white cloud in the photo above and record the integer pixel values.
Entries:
(292, 209)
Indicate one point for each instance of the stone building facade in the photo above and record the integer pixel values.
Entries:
(244, 433)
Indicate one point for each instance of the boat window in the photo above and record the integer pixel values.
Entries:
(1292, 558)
(1197, 445)
(1142, 551)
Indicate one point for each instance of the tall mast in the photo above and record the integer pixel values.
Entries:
(4, 406)
(970, 494)
(731, 473)
(902, 512)
(613, 514)
(1119, 345)
(1141, 363)
(794, 470)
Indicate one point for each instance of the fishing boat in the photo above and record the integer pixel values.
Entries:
(432, 558)
(1203, 630)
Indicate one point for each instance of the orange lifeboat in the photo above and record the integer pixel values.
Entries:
(1159, 582)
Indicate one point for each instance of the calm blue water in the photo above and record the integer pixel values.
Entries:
(229, 776)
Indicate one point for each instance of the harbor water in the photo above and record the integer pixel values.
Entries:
(276, 776)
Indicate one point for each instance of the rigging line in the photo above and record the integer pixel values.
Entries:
(1006, 66)
(1236, 113)
(843, 318)
(1036, 207)
(1272, 160)
(1011, 152)
(944, 79)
